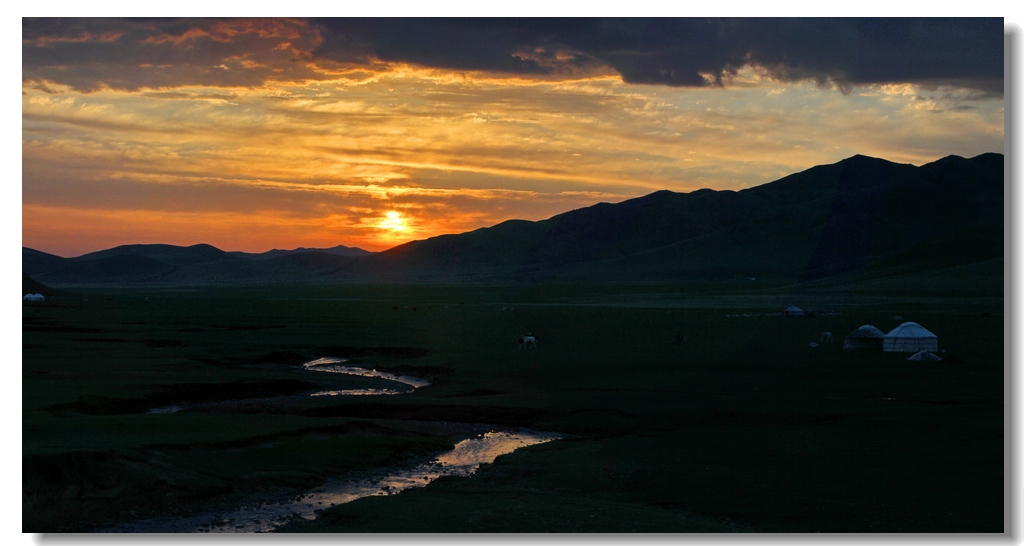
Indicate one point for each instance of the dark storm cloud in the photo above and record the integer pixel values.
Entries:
(130, 54)
(689, 52)
(497, 45)
(88, 54)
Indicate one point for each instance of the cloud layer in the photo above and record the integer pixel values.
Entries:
(254, 134)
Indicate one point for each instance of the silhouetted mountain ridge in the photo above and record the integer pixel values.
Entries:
(827, 220)
(816, 223)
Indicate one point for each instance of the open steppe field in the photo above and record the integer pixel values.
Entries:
(682, 408)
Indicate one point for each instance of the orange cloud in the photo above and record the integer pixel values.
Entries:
(319, 162)
(227, 31)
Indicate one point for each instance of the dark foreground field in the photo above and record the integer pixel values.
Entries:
(741, 426)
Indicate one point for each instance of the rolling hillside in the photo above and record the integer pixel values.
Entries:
(825, 221)
(861, 216)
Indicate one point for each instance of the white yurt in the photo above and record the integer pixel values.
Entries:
(33, 297)
(924, 355)
(793, 311)
(865, 337)
(909, 337)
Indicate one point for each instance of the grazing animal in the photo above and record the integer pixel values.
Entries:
(812, 344)
(394, 309)
(983, 315)
(527, 339)
(826, 337)
(680, 338)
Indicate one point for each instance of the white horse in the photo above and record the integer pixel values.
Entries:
(527, 339)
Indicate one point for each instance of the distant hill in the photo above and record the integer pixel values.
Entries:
(861, 216)
(31, 286)
(167, 254)
(34, 262)
(200, 264)
(339, 250)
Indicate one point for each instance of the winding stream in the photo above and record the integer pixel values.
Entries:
(331, 365)
(463, 460)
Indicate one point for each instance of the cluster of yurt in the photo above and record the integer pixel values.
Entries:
(865, 337)
(909, 337)
(33, 297)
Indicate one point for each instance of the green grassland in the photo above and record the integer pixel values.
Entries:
(740, 427)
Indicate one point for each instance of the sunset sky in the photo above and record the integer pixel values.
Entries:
(253, 134)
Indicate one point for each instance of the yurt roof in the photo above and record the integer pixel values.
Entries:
(793, 308)
(910, 330)
(867, 331)
(924, 355)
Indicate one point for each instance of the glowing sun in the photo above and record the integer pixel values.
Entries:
(393, 221)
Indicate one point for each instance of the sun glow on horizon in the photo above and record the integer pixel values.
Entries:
(393, 221)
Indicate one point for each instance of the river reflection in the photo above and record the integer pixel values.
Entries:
(358, 392)
(405, 384)
(335, 365)
(463, 460)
